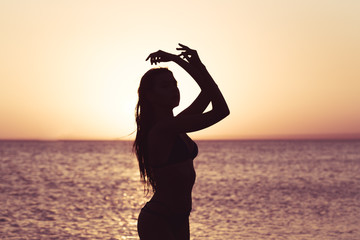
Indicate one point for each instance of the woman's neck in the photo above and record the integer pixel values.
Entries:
(162, 113)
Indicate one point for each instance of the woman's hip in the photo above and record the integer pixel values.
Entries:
(160, 225)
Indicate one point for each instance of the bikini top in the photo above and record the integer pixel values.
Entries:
(180, 152)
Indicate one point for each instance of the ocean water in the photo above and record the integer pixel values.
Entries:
(244, 190)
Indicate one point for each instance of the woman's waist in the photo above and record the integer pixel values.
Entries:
(166, 190)
(170, 205)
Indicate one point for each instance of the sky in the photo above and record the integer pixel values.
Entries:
(71, 69)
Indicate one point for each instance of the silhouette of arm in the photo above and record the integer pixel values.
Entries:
(193, 118)
(191, 64)
(198, 105)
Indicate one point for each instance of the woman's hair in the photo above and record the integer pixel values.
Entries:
(144, 121)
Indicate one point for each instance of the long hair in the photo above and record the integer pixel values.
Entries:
(144, 120)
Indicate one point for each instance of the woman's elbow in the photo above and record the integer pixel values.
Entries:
(221, 112)
(225, 112)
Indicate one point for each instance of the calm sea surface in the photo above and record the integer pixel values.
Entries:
(244, 190)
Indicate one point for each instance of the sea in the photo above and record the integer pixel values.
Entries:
(244, 190)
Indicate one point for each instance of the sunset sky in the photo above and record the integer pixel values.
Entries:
(70, 69)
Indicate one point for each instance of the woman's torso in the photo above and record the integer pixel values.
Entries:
(175, 177)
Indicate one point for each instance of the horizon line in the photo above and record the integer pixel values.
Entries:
(284, 137)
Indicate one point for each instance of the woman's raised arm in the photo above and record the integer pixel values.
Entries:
(193, 118)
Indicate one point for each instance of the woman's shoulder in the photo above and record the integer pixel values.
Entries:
(157, 134)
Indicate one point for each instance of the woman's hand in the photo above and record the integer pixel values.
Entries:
(161, 56)
(188, 54)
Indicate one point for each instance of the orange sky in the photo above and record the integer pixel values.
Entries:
(70, 69)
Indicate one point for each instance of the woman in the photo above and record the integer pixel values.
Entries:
(164, 152)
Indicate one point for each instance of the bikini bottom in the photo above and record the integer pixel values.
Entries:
(175, 224)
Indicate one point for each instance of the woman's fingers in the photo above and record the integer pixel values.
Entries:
(187, 53)
(184, 47)
(154, 58)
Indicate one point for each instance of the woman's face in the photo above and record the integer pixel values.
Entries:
(165, 92)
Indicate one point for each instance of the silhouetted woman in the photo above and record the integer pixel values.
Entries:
(164, 151)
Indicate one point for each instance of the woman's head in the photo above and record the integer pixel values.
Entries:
(157, 90)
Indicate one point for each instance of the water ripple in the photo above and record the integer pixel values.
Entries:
(244, 190)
